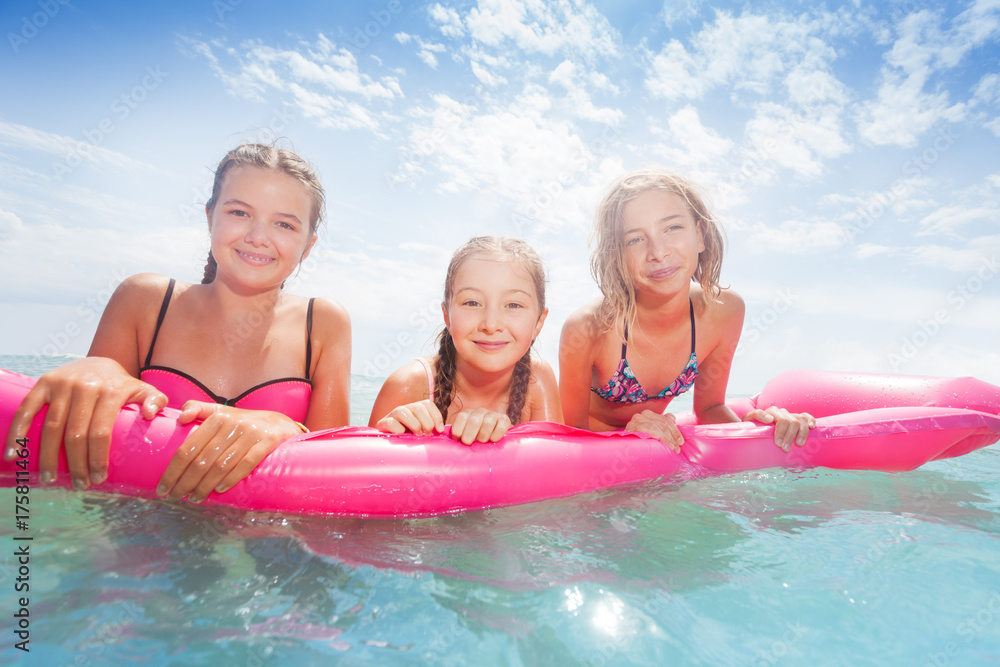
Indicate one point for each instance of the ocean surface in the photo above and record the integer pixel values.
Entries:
(773, 567)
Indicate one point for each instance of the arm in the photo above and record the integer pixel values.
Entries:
(544, 393)
(576, 361)
(86, 395)
(231, 442)
(713, 378)
(403, 403)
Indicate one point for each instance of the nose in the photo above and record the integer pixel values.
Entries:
(492, 320)
(257, 234)
(657, 249)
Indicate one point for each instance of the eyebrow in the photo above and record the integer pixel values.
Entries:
(479, 291)
(661, 220)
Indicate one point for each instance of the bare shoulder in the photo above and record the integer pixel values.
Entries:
(541, 371)
(584, 326)
(330, 318)
(725, 308)
(140, 293)
(406, 384)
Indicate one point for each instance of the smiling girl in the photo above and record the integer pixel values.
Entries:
(483, 378)
(257, 364)
(663, 324)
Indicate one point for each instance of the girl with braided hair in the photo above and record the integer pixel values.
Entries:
(255, 364)
(483, 379)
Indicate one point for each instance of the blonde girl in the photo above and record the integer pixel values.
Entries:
(663, 324)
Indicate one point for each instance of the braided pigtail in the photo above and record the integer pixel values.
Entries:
(519, 388)
(444, 373)
(210, 269)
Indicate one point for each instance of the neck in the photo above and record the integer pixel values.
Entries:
(658, 313)
(231, 299)
(481, 388)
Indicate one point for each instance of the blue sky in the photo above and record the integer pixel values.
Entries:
(850, 151)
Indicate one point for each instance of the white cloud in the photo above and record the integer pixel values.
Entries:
(796, 236)
(323, 79)
(924, 47)
(577, 100)
(960, 260)
(949, 219)
(745, 54)
(69, 152)
(563, 26)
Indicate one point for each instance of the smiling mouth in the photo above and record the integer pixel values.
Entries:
(663, 274)
(490, 345)
(254, 258)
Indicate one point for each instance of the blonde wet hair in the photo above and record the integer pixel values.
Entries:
(504, 249)
(607, 240)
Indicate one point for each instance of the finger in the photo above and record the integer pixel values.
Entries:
(242, 468)
(185, 455)
(101, 428)
(152, 400)
(459, 426)
(404, 416)
(500, 430)
(436, 416)
(53, 428)
(390, 425)
(195, 410)
(215, 452)
(674, 434)
(20, 423)
(487, 425)
(78, 421)
(473, 423)
(221, 458)
(425, 421)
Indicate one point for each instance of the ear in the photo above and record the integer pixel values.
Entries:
(309, 247)
(539, 323)
(208, 217)
(701, 236)
(444, 313)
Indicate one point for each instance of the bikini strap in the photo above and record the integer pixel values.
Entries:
(625, 342)
(691, 304)
(159, 320)
(309, 330)
(430, 377)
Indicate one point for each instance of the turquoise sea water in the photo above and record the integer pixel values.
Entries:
(774, 567)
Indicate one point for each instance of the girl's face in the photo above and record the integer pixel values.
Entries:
(493, 315)
(260, 226)
(662, 242)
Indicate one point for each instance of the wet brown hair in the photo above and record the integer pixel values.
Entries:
(279, 160)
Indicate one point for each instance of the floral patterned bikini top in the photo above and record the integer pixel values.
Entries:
(624, 388)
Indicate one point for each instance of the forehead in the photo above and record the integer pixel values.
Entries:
(652, 206)
(252, 184)
(493, 274)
